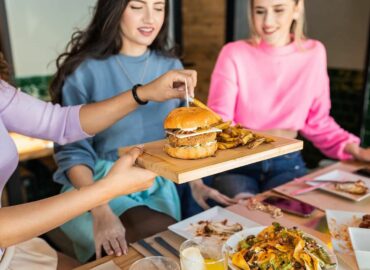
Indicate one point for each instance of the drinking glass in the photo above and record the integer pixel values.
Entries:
(203, 254)
(155, 263)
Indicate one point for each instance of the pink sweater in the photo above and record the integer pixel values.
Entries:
(264, 87)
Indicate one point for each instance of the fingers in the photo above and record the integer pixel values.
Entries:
(116, 247)
(98, 250)
(220, 198)
(123, 244)
(131, 156)
(193, 74)
(107, 247)
(202, 203)
(178, 81)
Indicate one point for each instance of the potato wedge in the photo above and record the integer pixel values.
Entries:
(200, 104)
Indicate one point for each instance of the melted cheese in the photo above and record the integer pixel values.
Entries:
(211, 130)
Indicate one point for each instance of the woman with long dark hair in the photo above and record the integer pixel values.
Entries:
(125, 45)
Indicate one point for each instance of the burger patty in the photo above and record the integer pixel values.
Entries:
(192, 140)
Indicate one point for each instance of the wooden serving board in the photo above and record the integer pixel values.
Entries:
(181, 171)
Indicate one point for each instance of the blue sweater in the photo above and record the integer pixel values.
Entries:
(97, 80)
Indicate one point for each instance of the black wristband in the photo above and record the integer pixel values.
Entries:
(136, 97)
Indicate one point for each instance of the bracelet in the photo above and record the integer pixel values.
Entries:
(136, 97)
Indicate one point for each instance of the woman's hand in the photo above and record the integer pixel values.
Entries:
(109, 233)
(201, 193)
(359, 153)
(125, 178)
(168, 86)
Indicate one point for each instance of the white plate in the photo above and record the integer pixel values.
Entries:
(231, 244)
(338, 223)
(360, 239)
(342, 176)
(187, 228)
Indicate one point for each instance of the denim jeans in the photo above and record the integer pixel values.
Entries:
(253, 178)
(261, 176)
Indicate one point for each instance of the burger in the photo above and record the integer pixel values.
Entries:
(190, 133)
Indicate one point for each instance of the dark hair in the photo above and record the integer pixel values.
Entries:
(4, 69)
(101, 39)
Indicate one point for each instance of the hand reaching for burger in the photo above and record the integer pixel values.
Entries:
(201, 193)
(168, 86)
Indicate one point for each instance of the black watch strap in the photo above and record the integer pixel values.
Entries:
(136, 97)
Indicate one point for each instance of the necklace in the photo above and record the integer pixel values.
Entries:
(128, 75)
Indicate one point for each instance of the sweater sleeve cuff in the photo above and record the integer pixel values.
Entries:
(343, 155)
(60, 176)
(75, 124)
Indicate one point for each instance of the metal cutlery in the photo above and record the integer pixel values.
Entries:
(163, 243)
(331, 181)
(305, 190)
(149, 248)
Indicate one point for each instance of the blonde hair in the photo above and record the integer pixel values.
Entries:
(297, 28)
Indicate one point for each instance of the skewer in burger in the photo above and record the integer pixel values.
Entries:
(190, 133)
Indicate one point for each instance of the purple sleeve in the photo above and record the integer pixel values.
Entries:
(27, 115)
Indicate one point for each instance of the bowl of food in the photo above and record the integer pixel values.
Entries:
(278, 247)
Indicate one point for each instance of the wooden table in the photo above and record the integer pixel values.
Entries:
(28, 148)
(31, 148)
(309, 225)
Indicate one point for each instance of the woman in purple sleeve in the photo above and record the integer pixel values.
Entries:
(19, 225)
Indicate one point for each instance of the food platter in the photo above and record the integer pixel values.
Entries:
(188, 228)
(181, 171)
(231, 245)
(340, 175)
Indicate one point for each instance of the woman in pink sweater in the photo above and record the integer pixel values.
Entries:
(277, 82)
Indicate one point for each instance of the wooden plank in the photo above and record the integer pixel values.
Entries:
(181, 171)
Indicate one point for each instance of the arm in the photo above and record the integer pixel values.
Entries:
(224, 89)
(109, 232)
(111, 110)
(76, 163)
(27, 115)
(321, 128)
(44, 215)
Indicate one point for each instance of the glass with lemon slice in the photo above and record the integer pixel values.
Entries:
(202, 254)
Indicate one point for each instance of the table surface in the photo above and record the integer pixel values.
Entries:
(309, 224)
(31, 148)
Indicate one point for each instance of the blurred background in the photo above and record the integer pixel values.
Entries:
(34, 32)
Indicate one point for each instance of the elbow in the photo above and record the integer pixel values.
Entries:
(62, 141)
(5, 242)
(7, 238)
(67, 140)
